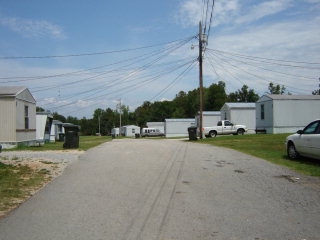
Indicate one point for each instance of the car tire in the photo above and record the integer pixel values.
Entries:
(240, 131)
(212, 134)
(292, 152)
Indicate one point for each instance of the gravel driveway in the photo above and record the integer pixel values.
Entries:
(169, 190)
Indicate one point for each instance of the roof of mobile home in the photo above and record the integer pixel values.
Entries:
(12, 91)
(240, 105)
(292, 97)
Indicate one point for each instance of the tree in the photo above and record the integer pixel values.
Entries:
(59, 117)
(243, 95)
(276, 89)
(215, 96)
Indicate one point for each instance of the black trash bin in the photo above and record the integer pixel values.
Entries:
(71, 139)
(192, 133)
(61, 137)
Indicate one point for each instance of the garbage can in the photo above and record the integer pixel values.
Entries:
(0, 148)
(137, 135)
(71, 139)
(61, 137)
(192, 133)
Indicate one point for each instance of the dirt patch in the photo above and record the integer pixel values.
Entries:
(48, 169)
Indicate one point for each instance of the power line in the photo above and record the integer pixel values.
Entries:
(87, 54)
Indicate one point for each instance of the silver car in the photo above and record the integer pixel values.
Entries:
(305, 142)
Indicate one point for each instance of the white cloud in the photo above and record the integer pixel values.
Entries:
(190, 12)
(33, 28)
(264, 9)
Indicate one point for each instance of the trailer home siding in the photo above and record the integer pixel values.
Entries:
(18, 116)
(240, 113)
(286, 113)
(178, 127)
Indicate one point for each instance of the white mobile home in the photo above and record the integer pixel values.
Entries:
(17, 116)
(209, 118)
(286, 113)
(44, 127)
(240, 113)
(57, 131)
(129, 130)
(156, 125)
(178, 127)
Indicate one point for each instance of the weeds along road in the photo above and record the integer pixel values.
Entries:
(169, 190)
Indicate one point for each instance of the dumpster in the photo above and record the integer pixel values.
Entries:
(71, 139)
(192, 133)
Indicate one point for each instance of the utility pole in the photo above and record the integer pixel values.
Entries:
(120, 115)
(200, 78)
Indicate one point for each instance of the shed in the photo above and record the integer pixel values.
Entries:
(240, 113)
(178, 127)
(129, 130)
(44, 127)
(115, 132)
(286, 113)
(18, 116)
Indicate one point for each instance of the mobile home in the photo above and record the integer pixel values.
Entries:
(286, 113)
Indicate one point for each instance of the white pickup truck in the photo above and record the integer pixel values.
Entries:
(224, 127)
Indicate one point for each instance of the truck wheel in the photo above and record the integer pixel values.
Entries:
(240, 131)
(212, 134)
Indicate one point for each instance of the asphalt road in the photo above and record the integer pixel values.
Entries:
(169, 190)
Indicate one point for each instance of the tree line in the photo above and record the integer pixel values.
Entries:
(184, 105)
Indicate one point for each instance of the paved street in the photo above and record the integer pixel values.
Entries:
(149, 189)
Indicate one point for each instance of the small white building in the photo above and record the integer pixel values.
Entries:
(17, 116)
(178, 127)
(240, 113)
(129, 130)
(156, 125)
(286, 113)
(115, 132)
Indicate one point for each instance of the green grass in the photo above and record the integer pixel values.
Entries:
(16, 183)
(85, 143)
(270, 147)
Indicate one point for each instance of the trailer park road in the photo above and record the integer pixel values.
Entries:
(149, 189)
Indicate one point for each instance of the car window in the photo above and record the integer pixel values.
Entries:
(311, 128)
(227, 123)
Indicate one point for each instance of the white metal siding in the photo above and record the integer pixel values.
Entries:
(245, 117)
(178, 127)
(292, 115)
(7, 123)
(267, 122)
(22, 133)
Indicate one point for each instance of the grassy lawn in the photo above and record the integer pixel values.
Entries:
(85, 143)
(267, 146)
(16, 184)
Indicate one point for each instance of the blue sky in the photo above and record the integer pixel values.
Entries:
(76, 56)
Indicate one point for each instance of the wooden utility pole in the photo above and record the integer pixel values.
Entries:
(200, 78)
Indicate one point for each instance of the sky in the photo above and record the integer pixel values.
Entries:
(76, 56)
